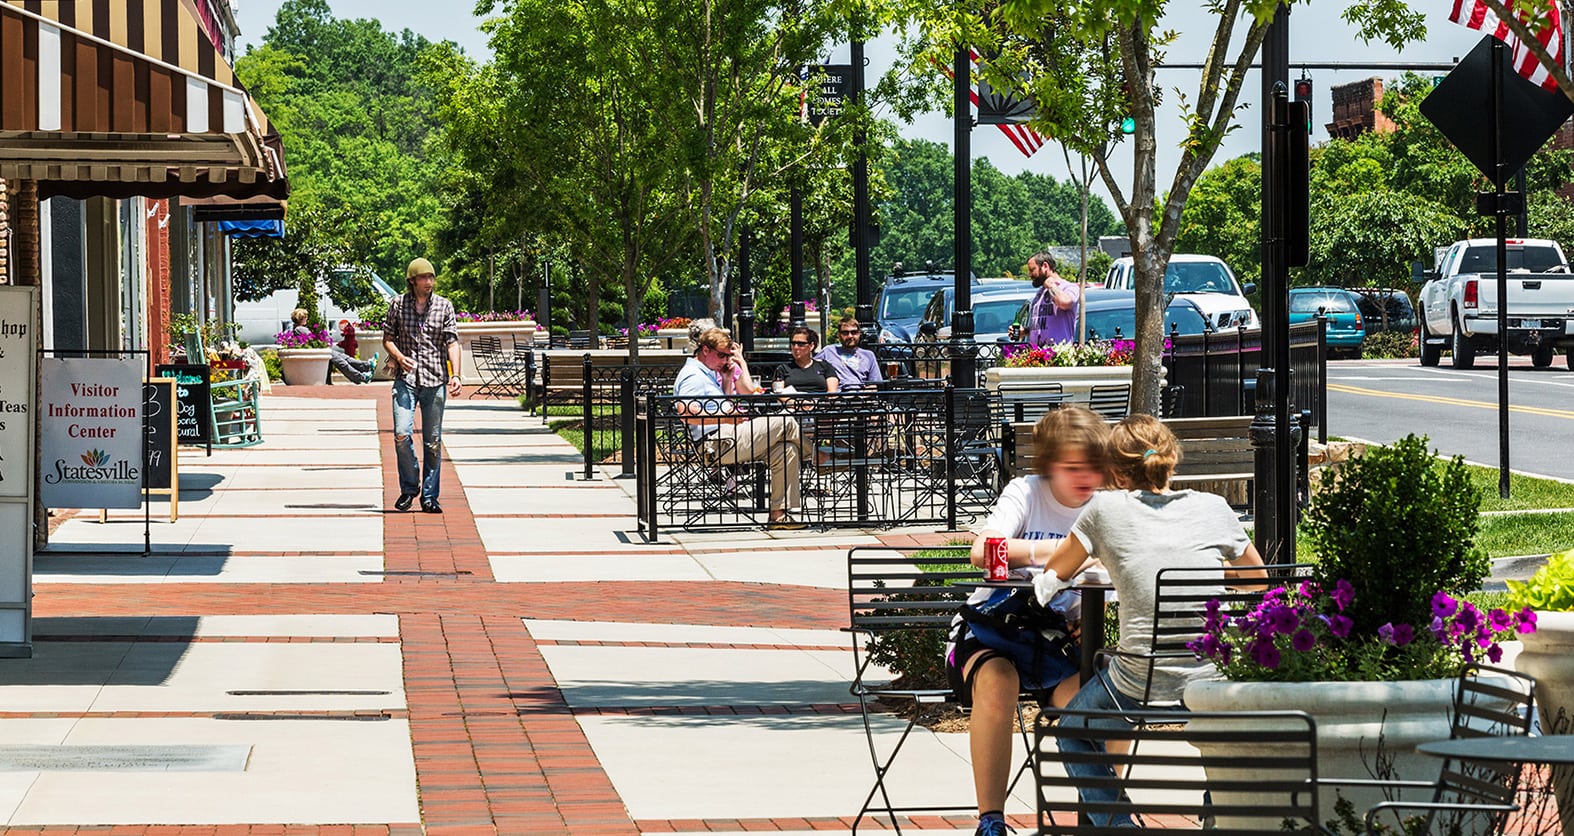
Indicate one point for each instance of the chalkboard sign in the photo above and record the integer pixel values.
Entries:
(158, 405)
(193, 400)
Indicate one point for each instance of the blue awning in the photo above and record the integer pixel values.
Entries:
(252, 229)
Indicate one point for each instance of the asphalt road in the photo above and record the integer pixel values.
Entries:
(1383, 400)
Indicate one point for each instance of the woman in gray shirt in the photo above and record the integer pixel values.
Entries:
(1135, 532)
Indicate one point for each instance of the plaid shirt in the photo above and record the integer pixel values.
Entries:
(423, 337)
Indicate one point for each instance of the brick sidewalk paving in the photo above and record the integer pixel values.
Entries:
(496, 747)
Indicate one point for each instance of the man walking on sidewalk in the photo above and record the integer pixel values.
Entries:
(422, 331)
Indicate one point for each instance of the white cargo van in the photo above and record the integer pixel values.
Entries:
(259, 321)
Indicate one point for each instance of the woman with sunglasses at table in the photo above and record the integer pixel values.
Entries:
(805, 374)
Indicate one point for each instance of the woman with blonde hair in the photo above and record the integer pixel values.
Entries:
(1134, 532)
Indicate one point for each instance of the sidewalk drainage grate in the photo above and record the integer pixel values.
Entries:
(341, 467)
(352, 506)
(308, 693)
(124, 758)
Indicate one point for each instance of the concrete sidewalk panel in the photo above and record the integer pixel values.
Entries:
(162, 568)
(316, 626)
(580, 499)
(803, 568)
(341, 772)
(769, 767)
(624, 631)
(518, 475)
(563, 535)
(606, 677)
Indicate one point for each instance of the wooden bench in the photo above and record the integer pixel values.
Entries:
(1216, 454)
(563, 374)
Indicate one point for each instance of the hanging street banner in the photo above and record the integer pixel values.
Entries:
(18, 368)
(91, 455)
(832, 88)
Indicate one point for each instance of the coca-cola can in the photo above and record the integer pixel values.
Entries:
(997, 556)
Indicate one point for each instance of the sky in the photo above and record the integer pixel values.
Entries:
(1317, 35)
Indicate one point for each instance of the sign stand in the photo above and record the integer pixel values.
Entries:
(147, 508)
(161, 471)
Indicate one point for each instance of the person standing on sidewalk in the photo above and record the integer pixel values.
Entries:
(422, 331)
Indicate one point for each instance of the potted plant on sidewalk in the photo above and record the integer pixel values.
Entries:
(303, 357)
(1076, 367)
(1549, 656)
(1371, 644)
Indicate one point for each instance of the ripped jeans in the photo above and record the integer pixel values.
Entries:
(430, 400)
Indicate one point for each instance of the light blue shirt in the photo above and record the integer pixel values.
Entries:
(854, 370)
(695, 380)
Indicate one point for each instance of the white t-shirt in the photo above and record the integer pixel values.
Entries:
(1026, 510)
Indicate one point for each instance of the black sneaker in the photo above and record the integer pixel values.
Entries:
(404, 501)
(430, 506)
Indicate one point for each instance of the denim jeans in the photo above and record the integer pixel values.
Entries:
(1099, 694)
(430, 400)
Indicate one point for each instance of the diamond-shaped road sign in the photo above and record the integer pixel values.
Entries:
(1461, 107)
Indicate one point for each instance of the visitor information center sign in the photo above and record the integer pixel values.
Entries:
(18, 356)
(91, 455)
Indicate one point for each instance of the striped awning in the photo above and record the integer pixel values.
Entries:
(117, 98)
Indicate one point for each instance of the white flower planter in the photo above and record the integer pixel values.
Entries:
(369, 344)
(1075, 381)
(305, 366)
(1350, 718)
(1548, 656)
(521, 331)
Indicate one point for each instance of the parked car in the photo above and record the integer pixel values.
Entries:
(901, 300)
(995, 306)
(260, 320)
(1386, 309)
(1206, 279)
(1346, 330)
(1112, 314)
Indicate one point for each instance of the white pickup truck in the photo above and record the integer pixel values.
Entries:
(1459, 303)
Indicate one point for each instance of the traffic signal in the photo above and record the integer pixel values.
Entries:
(1303, 93)
(1128, 125)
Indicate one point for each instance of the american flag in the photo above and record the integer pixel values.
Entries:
(1541, 16)
(1023, 137)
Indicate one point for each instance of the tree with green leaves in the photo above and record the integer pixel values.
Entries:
(1087, 65)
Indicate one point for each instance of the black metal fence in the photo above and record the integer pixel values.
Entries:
(891, 456)
(1215, 374)
(606, 403)
(932, 360)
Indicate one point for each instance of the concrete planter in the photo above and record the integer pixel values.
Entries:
(1075, 381)
(305, 366)
(369, 344)
(673, 338)
(1351, 716)
(1548, 655)
(510, 332)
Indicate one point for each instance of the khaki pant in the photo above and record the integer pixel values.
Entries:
(774, 440)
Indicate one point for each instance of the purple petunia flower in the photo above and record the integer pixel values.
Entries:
(1340, 626)
(1494, 654)
(1499, 620)
(1343, 594)
(1469, 618)
(1525, 621)
(1303, 640)
(1265, 654)
(1386, 633)
(1443, 606)
(1403, 634)
(1284, 620)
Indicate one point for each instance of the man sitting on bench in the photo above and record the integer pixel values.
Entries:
(724, 431)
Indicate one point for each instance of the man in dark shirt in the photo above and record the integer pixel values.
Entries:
(422, 332)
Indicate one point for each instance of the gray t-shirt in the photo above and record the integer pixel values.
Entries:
(1137, 533)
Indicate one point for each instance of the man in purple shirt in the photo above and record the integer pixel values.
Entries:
(855, 367)
(1052, 316)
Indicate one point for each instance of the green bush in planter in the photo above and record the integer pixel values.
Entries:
(1399, 525)
(1551, 589)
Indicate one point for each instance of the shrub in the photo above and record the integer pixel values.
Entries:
(917, 657)
(270, 362)
(1399, 525)
(1551, 589)
(1388, 345)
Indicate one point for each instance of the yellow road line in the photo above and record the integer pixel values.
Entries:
(1527, 410)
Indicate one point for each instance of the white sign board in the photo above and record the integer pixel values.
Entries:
(18, 366)
(91, 452)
